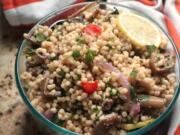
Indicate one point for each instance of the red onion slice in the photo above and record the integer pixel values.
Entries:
(122, 79)
(48, 114)
(135, 109)
(106, 66)
(40, 54)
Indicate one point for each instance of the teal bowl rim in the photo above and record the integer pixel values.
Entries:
(59, 129)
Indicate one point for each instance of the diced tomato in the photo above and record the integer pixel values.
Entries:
(89, 87)
(92, 29)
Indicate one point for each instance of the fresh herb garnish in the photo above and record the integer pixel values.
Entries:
(151, 49)
(79, 77)
(111, 92)
(62, 74)
(55, 27)
(133, 73)
(58, 121)
(85, 22)
(80, 41)
(96, 109)
(109, 46)
(29, 52)
(75, 54)
(40, 37)
(111, 39)
(133, 93)
(77, 105)
(143, 97)
(53, 58)
(108, 83)
(158, 57)
(90, 54)
(115, 12)
(63, 92)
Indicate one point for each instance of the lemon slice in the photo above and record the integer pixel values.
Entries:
(139, 30)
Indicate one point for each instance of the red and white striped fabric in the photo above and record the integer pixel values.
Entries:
(168, 16)
(23, 12)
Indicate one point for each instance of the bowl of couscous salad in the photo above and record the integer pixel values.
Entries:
(98, 69)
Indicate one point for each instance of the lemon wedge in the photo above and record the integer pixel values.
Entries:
(139, 30)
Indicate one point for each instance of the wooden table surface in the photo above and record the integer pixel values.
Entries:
(14, 116)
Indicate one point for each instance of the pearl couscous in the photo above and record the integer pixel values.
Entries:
(87, 77)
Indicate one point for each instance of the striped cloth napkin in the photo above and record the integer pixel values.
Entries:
(25, 12)
(167, 14)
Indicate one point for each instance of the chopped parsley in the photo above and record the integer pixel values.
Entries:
(29, 52)
(80, 41)
(53, 58)
(133, 73)
(90, 54)
(40, 37)
(84, 22)
(150, 49)
(96, 109)
(76, 54)
(111, 92)
(108, 83)
(143, 97)
(109, 46)
(55, 27)
(111, 39)
(78, 105)
(115, 12)
(158, 57)
(62, 74)
(133, 93)
(58, 121)
(63, 92)
(79, 77)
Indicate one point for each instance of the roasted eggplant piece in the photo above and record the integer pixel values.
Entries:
(31, 39)
(109, 121)
(151, 101)
(43, 88)
(162, 63)
(141, 83)
(35, 61)
(107, 105)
